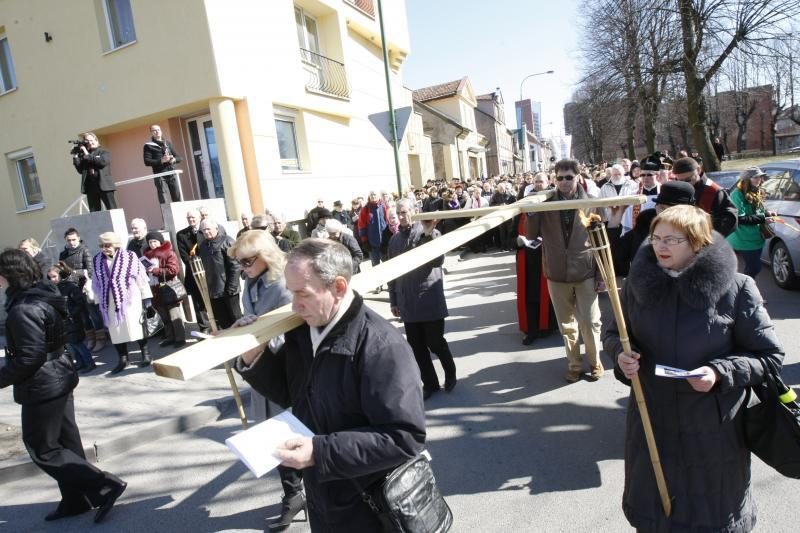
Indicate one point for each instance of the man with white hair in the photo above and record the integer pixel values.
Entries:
(187, 240)
(222, 274)
(338, 232)
(618, 185)
(246, 218)
(138, 243)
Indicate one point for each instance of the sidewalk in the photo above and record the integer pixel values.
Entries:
(118, 413)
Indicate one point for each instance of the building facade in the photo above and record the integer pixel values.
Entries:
(270, 104)
(448, 118)
(490, 119)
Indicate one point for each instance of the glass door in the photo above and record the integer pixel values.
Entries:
(205, 157)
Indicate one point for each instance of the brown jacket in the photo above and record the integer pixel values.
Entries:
(564, 261)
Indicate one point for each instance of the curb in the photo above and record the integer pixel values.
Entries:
(22, 467)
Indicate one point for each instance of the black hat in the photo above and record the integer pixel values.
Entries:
(651, 165)
(324, 213)
(675, 193)
(683, 165)
(154, 236)
(337, 203)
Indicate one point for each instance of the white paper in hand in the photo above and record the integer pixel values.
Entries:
(256, 446)
(665, 371)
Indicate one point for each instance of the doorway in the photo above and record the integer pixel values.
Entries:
(205, 157)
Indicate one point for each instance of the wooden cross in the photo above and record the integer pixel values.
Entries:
(203, 356)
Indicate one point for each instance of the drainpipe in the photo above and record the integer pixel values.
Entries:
(392, 119)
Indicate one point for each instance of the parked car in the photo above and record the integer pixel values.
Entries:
(782, 195)
(724, 178)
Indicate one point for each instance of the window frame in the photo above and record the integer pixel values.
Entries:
(10, 64)
(16, 158)
(112, 45)
(306, 15)
(289, 118)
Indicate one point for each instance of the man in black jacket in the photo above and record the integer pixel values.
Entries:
(93, 163)
(708, 196)
(138, 243)
(351, 378)
(161, 157)
(187, 240)
(222, 274)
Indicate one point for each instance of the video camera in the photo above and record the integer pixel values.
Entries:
(76, 148)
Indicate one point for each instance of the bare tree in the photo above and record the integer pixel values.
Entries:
(710, 31)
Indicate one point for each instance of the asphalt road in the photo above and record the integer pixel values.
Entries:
(514, 447)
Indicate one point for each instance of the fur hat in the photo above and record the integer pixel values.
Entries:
(154, 236)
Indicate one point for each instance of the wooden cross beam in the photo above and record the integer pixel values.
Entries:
(203, 356)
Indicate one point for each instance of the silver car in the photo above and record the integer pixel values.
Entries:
(782, 195)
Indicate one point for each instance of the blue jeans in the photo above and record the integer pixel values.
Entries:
(375, 255)
(80, 353)
(752, 261)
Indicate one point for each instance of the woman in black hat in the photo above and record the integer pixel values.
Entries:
(165, 268)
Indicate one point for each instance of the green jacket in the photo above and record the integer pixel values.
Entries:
(748, 232)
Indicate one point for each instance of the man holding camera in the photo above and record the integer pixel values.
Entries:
(93, 163)
(160, 156)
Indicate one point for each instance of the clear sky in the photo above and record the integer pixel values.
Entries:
(496, 43)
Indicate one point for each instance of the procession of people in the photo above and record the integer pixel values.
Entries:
(360, 382)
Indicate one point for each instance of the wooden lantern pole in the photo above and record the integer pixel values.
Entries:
(199, 273)
(601, 249)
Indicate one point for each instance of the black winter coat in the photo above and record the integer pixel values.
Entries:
(419, 294)
(76, 307)
(356, 254)
(77, 259)
(708, 316)
(153, 152)
(364, 390)
(35, 360)
(95, 167)
(222, 272)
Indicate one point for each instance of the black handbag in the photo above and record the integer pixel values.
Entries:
(772, 423)
(408, 500)
(151, 322)
(170, 292)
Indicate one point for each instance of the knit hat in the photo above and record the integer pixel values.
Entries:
(683, 165)
(154, 236)
(675, 193)
(752, 172)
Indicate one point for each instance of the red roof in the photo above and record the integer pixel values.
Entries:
(443, 90)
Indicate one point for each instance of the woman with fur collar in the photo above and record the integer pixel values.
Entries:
(165, 268)
(686, 307)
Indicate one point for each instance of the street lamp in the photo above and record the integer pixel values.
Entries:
(519, 116)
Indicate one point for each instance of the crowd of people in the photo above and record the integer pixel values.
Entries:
(353, 378)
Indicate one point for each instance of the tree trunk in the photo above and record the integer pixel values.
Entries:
(650, 115)
(698, 123)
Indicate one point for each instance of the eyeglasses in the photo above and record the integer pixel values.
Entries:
(247, 262)
(568, 177)
(643, 174)
(670, 241)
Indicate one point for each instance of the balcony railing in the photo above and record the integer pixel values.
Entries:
(325, 75)
(365, 6)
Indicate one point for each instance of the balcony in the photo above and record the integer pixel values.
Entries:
(365, 6)
(325, 75)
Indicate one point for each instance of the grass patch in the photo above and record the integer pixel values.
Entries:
(741, 164)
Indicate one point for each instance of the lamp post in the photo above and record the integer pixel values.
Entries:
(519, 116)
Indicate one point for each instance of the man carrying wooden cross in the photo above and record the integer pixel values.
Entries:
(571, 273)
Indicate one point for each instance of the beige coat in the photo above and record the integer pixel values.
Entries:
(130, 329)
(564, 262)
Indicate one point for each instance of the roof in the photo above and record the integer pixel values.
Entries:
(443, 90)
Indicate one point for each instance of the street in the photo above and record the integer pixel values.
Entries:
(514, 447)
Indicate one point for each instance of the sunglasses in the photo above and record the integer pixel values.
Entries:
(643, 174)
(568, 177)
(247, 262)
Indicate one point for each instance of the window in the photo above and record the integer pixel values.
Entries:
(27, 180)
(287, 142)
(307, 34)
(119, 20)
(8, 79)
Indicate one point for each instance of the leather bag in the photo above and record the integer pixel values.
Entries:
(772, 423)
(170, 292)
(408, 500)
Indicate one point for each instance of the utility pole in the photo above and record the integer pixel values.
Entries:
(392, 118)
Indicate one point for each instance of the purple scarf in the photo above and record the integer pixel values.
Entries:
(118, 281)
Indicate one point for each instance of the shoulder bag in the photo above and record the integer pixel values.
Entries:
(170, 292)
(772, 423)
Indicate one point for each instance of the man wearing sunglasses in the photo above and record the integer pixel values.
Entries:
(570, 271)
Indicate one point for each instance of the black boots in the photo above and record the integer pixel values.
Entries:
(290, 507)
(121, 364)
(146, 360)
